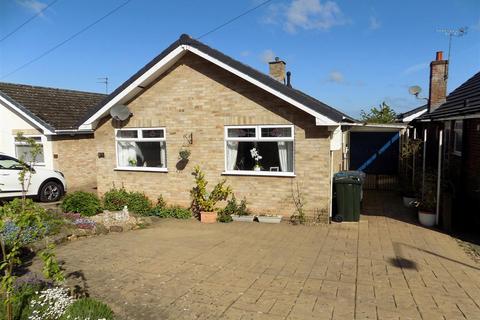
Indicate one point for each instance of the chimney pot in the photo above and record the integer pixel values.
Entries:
(289, 75)
(439, 55)
(277, 70)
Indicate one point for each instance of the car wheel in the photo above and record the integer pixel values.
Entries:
(51, 191)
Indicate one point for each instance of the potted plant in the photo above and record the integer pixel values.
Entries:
(409, 150)
(409, 195)
(203, 202)
(132, 162)
(257, 157)
(426, 206)
(184, 154)
(269, 218)
(238, 212)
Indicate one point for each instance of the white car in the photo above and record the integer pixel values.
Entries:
(45, 184)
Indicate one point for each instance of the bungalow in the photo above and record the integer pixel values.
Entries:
(50, 116)
(450, 133)
(193, 97)
(456, 124)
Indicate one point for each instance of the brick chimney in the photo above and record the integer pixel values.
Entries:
(277, 69)
(438, 82)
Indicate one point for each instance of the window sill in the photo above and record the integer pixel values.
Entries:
(141, 169)
(259, 173)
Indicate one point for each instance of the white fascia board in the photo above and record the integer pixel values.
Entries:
(26, 116)
(160, 67)
(320, 119)
(414, 116)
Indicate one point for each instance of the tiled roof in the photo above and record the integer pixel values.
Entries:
(294, 94)
(401, 116)
(463, 101)
(56, 109)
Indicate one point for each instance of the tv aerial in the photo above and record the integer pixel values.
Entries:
(460, 32)
(120, 112)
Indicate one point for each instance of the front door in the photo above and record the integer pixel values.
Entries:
(9, 175)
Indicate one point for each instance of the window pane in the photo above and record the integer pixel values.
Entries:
(241, 132)
(142, 154)
(23, 153)
(276, 132)
(8, 163)
(274, 156)
(152, 133)
(127, 134)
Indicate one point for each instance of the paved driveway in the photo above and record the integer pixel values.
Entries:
(380, 268)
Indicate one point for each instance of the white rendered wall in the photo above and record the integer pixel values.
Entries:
(10, 124)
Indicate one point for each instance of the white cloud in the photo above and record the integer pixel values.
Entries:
(306, 15)
(415, 68)
(267, 56)
(336, 77)
(33, 5)
(374, 23)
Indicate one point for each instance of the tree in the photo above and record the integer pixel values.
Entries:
(22, 222)
(384, 114)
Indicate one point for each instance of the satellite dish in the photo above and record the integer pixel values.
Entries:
(120, 112)
(414, 90)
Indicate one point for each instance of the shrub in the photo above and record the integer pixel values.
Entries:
(51, 303)
(88, 308)
(234, 208)
(202, 200)
(136, 202)
(161, 203)
(115, 199)
(85, 203)
(30, 232)
(171, 212)
(224, 217)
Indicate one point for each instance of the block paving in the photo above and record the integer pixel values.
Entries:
(384, 267)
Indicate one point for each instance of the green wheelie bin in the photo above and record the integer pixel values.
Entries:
(348, 193)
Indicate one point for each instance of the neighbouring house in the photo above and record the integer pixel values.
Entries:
(413, 114)
(50, 116)
(450, 132)
(194, 97)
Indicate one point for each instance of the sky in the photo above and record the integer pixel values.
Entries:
(351, 55)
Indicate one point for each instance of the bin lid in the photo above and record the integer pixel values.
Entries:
(348, 177)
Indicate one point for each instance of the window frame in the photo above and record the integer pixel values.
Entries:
(258, 138)
(141, 139)
(23, 143)
(455, 131)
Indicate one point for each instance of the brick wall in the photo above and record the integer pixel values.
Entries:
(197, 97)
(75, 157)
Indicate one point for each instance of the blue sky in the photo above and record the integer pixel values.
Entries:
(349, 54)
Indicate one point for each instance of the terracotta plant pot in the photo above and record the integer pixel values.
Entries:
(426, 218)
(208, 217)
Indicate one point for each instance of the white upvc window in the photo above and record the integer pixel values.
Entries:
(264, 150)
(23, 150)
(141, 149)
(457, 137)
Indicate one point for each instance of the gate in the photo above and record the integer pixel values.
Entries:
(376, 154)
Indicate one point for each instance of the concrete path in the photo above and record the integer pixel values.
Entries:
(384, 267)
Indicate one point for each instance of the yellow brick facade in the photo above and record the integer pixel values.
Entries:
(75, 157)
(196, 97)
